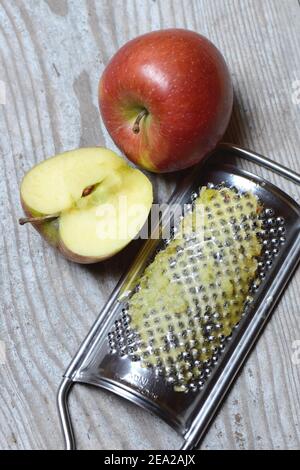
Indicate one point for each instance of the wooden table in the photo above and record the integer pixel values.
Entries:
(52, 54)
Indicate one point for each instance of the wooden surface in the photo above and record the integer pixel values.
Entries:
(52, 53)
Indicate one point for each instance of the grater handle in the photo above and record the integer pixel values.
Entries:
(64, 413)
(263, 161)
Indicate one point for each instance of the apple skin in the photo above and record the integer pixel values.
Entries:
(49, 231)
(183, 82)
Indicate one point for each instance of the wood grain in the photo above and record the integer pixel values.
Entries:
(52, 53)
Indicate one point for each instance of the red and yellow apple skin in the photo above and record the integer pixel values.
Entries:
(49, 231)
(181, 79)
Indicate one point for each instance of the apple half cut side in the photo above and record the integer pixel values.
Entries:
(88, 203)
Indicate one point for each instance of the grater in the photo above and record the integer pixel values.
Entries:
(185, 388)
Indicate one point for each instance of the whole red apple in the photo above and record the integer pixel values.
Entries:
(166, 99)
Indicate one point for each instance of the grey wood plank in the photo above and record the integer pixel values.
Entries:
(52, 53)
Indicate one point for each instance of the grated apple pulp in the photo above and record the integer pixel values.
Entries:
(195, 291)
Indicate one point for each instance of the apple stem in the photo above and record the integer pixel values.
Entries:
(32, 220)
(136, 126)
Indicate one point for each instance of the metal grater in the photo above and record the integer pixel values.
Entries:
(177, 357)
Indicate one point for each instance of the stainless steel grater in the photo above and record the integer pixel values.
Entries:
(186, 388)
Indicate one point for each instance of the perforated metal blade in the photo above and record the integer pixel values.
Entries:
(199, 285)
(178, 359)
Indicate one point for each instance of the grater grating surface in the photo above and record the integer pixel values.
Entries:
(105, 358)
(191, 297)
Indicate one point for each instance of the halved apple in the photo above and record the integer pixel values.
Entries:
(88, 202)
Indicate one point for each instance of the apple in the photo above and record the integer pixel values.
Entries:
(166, 99)
(89, 203)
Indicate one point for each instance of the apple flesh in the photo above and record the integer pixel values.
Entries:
(166, 99)
(88, 202)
